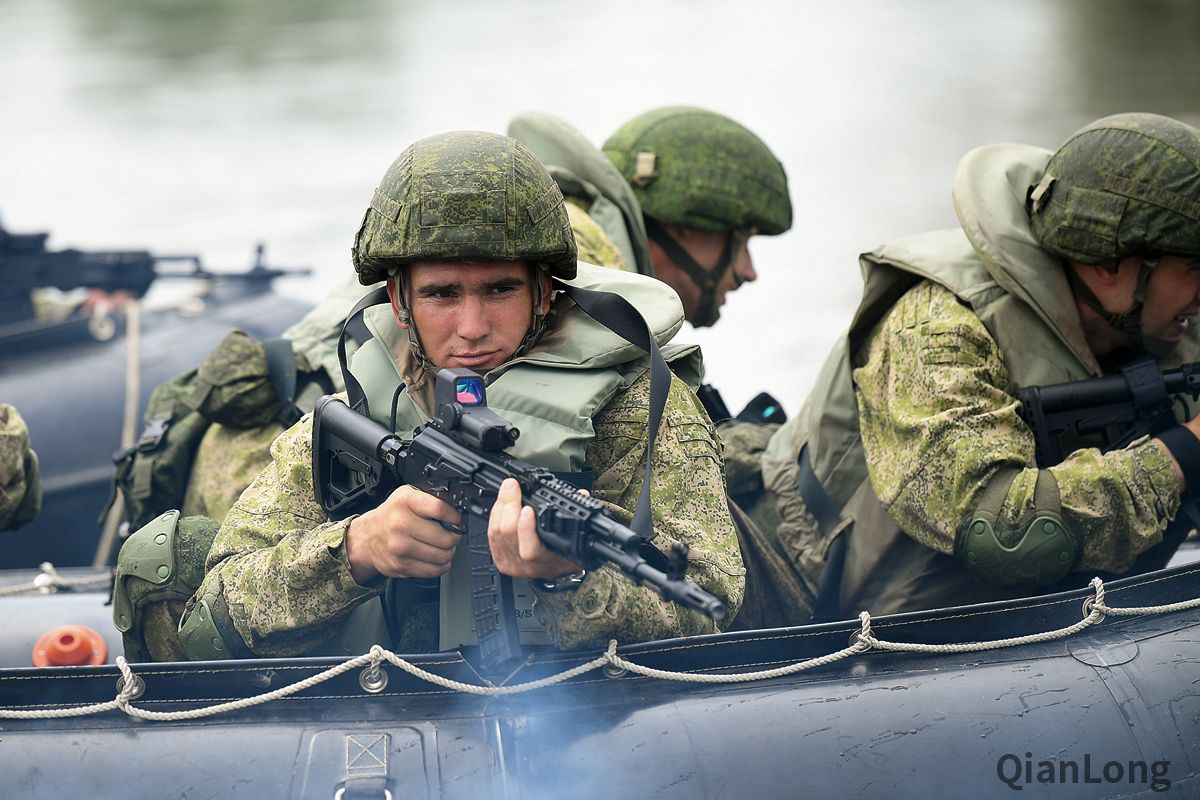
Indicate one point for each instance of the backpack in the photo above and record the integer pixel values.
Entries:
(242, 383)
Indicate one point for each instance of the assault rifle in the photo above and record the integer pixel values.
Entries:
(459, 456)
(1115, 409)
(26, 264)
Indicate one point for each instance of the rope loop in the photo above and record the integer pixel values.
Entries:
(374, 678)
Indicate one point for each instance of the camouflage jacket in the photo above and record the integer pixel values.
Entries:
(280, 567)
(933, 387)
(913, 429)
(20, 491)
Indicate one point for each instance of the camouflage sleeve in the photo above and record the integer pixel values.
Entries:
(938, 423)
(278, 564)
(688, 495)
(593, 244)
(20, 490)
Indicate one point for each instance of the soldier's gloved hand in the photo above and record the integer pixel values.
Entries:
(516, 547)
(404, 537)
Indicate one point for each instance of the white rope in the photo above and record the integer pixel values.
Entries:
(1094, 615)
(50, 581)
(864, 641)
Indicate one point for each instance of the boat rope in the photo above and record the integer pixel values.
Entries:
(49, 581)
(129, 421)
(373, 679)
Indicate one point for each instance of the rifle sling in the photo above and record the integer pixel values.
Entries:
(620, 316)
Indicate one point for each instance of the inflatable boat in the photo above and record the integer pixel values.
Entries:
(1085, 694)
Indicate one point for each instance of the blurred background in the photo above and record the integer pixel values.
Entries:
(207, 125)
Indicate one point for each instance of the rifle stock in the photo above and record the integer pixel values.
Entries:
(1116, 408)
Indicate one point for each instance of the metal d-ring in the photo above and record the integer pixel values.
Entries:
(373, 679)
(136, 684)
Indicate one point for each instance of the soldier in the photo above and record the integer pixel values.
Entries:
(699, 183)
(680, 191)
(472, 236)
(1064, 266)
(20, 489)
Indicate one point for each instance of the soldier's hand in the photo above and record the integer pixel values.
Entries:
(404, 537)
(516, 547)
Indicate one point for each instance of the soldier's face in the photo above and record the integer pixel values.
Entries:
(706, 247)
(1172, 298)
(471, 314)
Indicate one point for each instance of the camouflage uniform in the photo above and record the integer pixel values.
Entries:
(913, 430)
(20, 489)
(282, 571)
(278, 574)
(935, 388)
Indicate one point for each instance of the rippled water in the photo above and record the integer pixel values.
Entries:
(205, 126)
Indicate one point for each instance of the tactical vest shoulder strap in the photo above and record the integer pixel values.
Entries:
(621, 317)
(353, 326)
(281, 368)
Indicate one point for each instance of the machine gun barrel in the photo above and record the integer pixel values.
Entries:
(26, 264)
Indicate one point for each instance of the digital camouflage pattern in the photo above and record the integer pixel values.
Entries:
(281, 568)
(233, 384)
(1128, 184)
(226, 462)
(937, 422)
(701, 170)
(20, 488)
(592, 243)
(465, 196)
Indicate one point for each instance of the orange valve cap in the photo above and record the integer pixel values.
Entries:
(69, 646)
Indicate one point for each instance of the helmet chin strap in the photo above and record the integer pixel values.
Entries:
(1129, 322)
(707, 281)
(404, 315)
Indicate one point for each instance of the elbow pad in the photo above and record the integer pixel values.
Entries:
(159, 566)
(205, 630)
(1039, 549)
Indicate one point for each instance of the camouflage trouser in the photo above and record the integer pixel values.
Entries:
(159, 568)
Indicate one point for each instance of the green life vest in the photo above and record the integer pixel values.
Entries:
(994, 266)
(550, 393)
(581, 170)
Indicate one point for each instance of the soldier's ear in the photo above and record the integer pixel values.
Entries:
(547, 290)
(1103, 275)
(399, 313)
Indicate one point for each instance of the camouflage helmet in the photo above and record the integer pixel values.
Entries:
(465, 196)
(701, 170)
(1124, 185)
